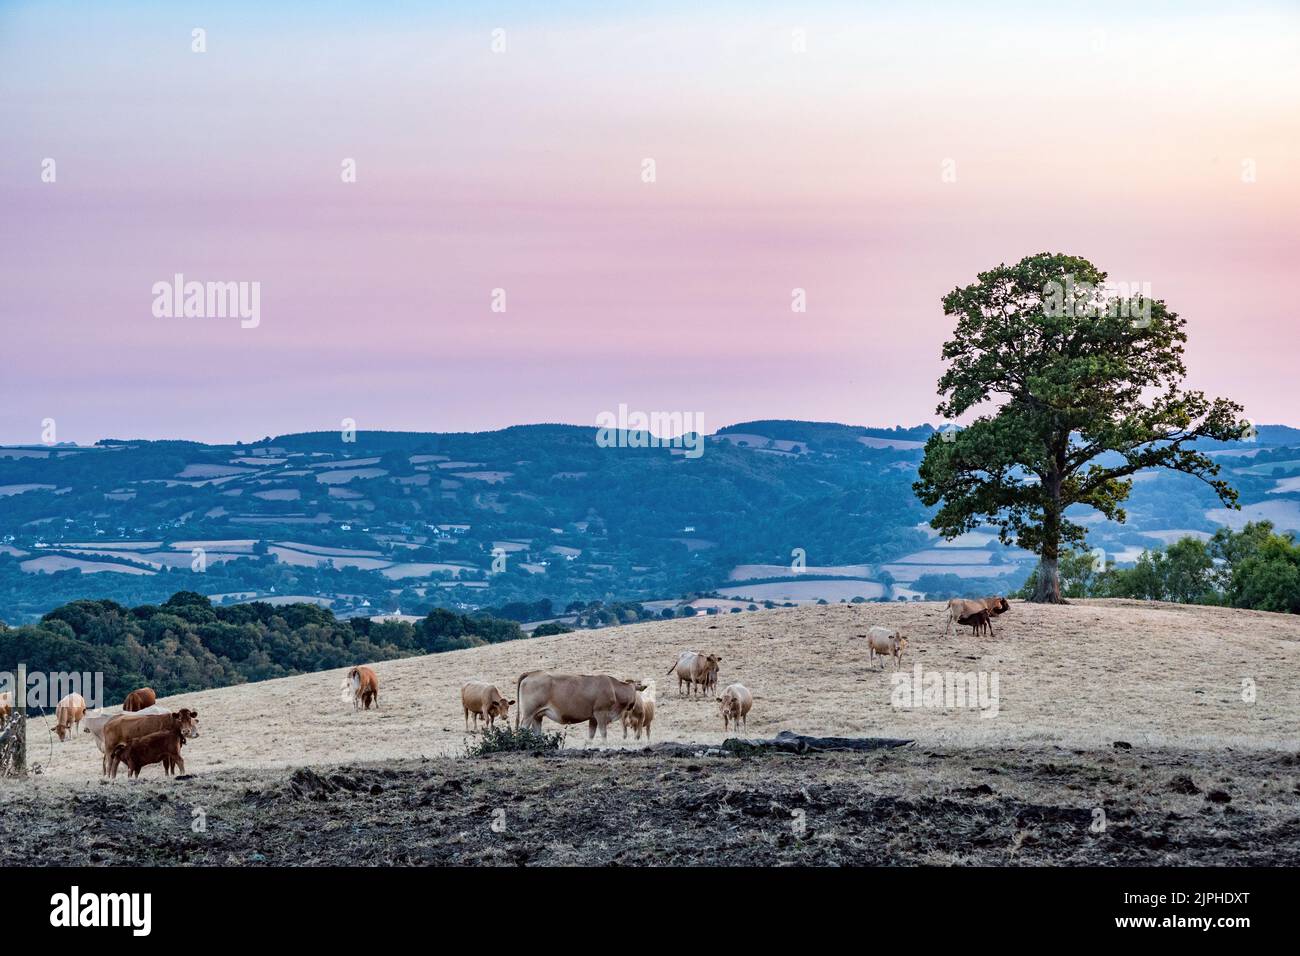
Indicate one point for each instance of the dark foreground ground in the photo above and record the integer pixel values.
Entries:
(906, 806)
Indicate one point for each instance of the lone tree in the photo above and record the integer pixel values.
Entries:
(1087, 385)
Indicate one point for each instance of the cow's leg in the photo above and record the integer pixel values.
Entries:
(591, 729)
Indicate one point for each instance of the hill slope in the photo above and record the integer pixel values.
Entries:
(1081, 676)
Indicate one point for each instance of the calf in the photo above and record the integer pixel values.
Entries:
(139, 700)
(483, 700)
(885, 642)
(734, 706)
(68, 714)
(642, 713)
(6, 707)
(162, 747)
(979, 622)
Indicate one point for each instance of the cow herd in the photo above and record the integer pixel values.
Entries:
(147, 733)
(144, 733)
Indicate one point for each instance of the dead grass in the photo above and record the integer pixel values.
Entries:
(1080, 676)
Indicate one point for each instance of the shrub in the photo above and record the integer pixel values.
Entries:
(497, 740)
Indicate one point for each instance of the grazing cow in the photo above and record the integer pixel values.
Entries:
(68, 714)
(975, 614)
(123, 728)
(484, 700)
(139, 700)
(597, 699)
(642, 713)
(696, 670)
(6, 707)
(885, 642)
(734, 706)
(163, 746)
(364, 685)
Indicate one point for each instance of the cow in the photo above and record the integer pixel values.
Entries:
(139, 700)
(68, 714)
(484, 700)
(597, 699)
(124, 728)
(642, 713)
(163, 746)
(6, 707)
(885, 642)
(94, 724)
(695, 670)
(734, 706)
(975, 614)
(364, 685)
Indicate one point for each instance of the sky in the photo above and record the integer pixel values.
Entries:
(874, 155)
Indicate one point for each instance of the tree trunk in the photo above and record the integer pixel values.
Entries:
(1047, 589)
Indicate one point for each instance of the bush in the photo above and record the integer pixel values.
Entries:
(498, 740)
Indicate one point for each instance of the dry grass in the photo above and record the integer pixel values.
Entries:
(1080, 676)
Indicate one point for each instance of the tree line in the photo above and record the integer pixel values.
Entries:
(1256, 568)
(188, 644)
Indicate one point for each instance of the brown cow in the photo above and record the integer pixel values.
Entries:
(597, 699)
(139, 700)
(6, 707)
(695, 670)
(975, 614)
(642, 713)
(484, 700)
(734, 705)
(364, 685)
(68, 714)
(163, 746)
(127, 727)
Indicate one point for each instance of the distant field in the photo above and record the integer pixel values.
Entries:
(6, 490)
(748, 572)
(806, 591)
(1284, 514)
(50, 563)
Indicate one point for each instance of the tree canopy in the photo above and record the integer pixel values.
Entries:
(1076, 385)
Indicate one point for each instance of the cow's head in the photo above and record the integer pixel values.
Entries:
(902, 644)
(1003, 606)
(500, 708)
(186, 721)
(727, 704)
(61, 730)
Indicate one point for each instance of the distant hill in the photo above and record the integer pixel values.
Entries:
(772, 512)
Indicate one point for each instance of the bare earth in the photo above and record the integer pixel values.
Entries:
(1208, 699)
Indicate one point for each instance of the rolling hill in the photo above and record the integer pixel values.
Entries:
(773, 511)
(1079, 676)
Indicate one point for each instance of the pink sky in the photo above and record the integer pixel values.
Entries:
(1119, 137)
